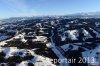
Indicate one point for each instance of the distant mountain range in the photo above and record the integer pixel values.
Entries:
(76, 15)
(88, 15)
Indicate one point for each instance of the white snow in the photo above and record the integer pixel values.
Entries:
(86, 34)
(21, 36)
(24, 63)
(93, 54)
(2, 43)
(43, 61)
(40, 38)
(9, 51)
(73, 34)
(37, 60)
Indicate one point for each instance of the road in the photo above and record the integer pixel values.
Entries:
(57, 52)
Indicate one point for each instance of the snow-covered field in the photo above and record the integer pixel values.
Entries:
(93, 56)
(72, 34)
(37, 60)
(38, 44)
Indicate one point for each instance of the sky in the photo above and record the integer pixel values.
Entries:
(17, 8)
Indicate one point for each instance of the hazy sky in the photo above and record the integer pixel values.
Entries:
(12, 8)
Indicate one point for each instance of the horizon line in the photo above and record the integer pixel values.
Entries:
(48, 15)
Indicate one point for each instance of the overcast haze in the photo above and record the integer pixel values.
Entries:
(15, 8)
